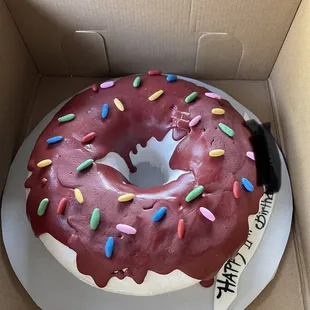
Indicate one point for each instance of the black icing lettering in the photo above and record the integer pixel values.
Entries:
(226, 287)
(248, 244)
(264, 211)
(250, 231)
(230, 277)
(229, 266)
(242, 257)
(260, 221)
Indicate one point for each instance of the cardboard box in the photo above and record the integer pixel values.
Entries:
(257, 51)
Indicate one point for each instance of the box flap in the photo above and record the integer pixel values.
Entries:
(17, 76)
(290, 80)
(189, 37)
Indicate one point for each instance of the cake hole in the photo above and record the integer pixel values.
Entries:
(120, 236)
(141, 178)
(151, 161)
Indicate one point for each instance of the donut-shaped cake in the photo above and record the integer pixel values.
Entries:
(130, 239)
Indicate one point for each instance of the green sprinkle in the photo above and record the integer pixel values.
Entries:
(66, 118)
(191, 97)
(42, 206)
(85, 164)
(94, 220)
(229, 132)
(137, 81)
(194, 193)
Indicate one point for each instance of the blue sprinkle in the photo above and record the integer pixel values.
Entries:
(159, 214)
(105, 110)
(247, 185)
(109, 246)
(171, 78)
(54, 139)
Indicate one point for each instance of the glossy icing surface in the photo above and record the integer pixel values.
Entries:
(205, 245)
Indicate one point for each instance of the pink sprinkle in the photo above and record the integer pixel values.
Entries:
(213, 96)
(250, 155)
(95, 87)
(236, 190)
(207, 214)
(194, 121)
(107, 84)
(126, 229)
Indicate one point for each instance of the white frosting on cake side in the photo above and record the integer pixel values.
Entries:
(153, 283)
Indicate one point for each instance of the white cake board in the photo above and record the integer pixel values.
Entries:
(52, 287)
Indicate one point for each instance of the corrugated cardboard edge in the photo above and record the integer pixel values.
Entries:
(289, 84)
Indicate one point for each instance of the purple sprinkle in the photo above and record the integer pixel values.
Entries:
(107, 84)
(213, 96)
(207, 214)
(194, 121)
(126, 229)
(250, 155)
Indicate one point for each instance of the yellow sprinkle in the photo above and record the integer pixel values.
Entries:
(119, 105)
(44, 163)
(156, 95)
(126, 197)
(218, 111)
(78, 195)
(216, 153)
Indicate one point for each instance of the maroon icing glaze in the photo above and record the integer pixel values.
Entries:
(206, 245)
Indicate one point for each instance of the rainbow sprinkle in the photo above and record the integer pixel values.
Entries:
(109, 247)
(159, 214)
(216, 153)
(250, 155)
(42, 206)
(236, 190)
(154, 72)
(78, 195)
(95, 87)
(126, 229)
(197, 191)
(85, 164)
(119, 105)
(107, 84)
(213, 96)
(207, 214)
(137, 81)
(95, 219)
(247, 185)
(55, 139)
(218, 111)
(194, 121)
(44, 163)
(191, 97)
(156, 95)
(90, 136)
(181, 228)
(66, 118)
(125, 197)
(171, 78)
(104, 110)
(229, 132)
(61, 206)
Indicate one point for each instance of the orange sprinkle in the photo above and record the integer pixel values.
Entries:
(61, 206)
(236, 189)
(90, 136)
(181, 228)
